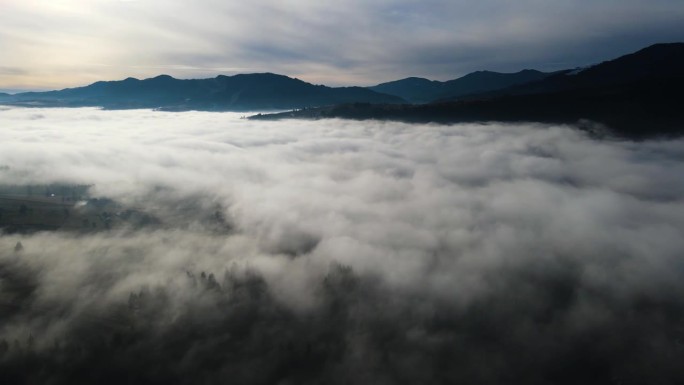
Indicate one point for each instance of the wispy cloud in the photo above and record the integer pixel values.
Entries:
(355, 42)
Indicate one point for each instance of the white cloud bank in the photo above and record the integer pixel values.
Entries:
(465, 244)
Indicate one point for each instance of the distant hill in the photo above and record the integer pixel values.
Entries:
(413, 89)
(238, 93)
(419, 90)
(635, 96)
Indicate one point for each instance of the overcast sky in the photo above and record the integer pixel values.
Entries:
(62, 43)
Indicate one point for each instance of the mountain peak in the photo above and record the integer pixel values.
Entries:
(528, 71)
(262, 75)
(662, 46)
(163, 77)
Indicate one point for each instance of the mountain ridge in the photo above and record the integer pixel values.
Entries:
(268, 91)
(655, 61)
(421, 90)
(641, 98)
(237, 92)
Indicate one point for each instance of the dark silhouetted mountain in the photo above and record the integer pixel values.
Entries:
(419, 90)
(239, 92)
(414, 90)
(635, 96)
(658, 61)
(482, 81)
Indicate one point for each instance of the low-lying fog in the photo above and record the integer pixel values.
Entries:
(352, 252)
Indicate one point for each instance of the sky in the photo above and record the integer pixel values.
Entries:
(49, 44)
(374, 252)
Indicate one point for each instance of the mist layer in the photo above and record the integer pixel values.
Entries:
(362, 252)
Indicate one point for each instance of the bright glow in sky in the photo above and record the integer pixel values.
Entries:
(63, 43)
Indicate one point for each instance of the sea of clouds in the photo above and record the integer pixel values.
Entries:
(355, 252)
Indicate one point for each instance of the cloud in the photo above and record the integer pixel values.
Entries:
(70, 43)
(354, 251)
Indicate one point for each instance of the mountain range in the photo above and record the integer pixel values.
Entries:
(420, 90)
(262, 91)
(637, 96)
